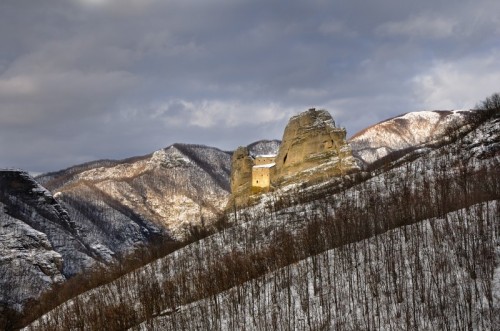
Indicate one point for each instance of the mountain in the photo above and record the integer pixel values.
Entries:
(103, 212)
(46, 239)
(175, 188)
(410, 245)
(264, 147)
(172, 188)
(100, 213)
(39, 244)
(404, 133)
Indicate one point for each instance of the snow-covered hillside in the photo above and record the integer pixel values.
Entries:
(435, 217)
(264, 147)
(39, 244)
(100, 212)
(405, 132)
(173, 188)
(420, 276)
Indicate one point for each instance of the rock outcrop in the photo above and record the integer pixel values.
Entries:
(312, 148)
(241, 175)
(36, 239)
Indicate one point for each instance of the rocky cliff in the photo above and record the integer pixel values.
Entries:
(313, 148)
(241, 176)
(39, 244)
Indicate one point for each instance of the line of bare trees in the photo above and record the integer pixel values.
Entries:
(405, 280)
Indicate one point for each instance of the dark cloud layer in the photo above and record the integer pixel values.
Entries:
(89, 79)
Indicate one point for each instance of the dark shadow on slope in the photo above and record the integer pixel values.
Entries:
(222, 179)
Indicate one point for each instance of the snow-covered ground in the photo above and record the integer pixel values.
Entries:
(264, 147)
(367, 283)
(172, 188)
(429, 276)
(406, 131)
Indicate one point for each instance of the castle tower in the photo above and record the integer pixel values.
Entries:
(262, 171)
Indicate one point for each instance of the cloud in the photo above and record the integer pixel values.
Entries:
(420, 27)
(64, 81)
(117, 6)
(215, 113)
(311, 94)
(18, 86)
(460, 83)
(336, 28)
(52, 98)
(85, 79)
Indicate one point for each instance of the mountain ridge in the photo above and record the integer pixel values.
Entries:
(406, 131)
(101, 223)
(121, 206)
(221, 281)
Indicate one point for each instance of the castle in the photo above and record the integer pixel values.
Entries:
(262, 170)
(313, 149)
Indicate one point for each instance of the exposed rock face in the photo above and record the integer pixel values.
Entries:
(312, 148)
(36, 235)
(241, 175)
(28, 264)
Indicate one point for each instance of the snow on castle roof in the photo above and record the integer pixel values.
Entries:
(266, 155)
(270, 165)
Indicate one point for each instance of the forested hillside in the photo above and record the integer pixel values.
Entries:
(93, 222)
(412, 244)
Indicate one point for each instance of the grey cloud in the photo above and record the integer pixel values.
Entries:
(421, 27)
(48, 98)
(85, 79)
(212, 113)
(337, 29)
(459, 83)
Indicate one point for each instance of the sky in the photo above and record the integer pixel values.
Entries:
(82, 80)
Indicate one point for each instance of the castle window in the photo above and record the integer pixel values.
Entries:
(284, 160)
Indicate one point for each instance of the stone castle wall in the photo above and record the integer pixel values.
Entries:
(261, 177)
(312, 149)
(264, 159)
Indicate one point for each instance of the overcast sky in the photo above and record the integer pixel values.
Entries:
(88, 79)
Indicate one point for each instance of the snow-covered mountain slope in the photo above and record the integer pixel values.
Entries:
(100, 213)
(174, 188)
(264, 147)
(413, 277)
(39, 244)
(405, 132)
(409, 205)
